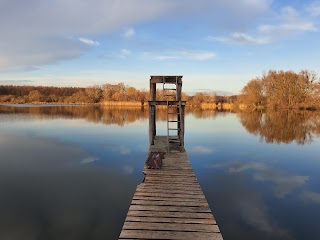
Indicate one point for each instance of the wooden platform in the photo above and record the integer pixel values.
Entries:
(169, 203)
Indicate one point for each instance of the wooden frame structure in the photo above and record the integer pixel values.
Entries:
(176, 102)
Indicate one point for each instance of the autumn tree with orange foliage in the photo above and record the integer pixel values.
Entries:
(282, 89)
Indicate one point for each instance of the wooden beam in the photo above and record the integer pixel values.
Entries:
(164, 103)
(168, 79)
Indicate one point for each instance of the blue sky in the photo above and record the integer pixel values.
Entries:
(217, 45)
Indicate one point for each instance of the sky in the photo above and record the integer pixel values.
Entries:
(216, 45)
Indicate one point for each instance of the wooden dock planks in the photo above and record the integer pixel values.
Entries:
(169, 203)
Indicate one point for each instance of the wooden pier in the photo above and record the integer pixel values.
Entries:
(169, 203)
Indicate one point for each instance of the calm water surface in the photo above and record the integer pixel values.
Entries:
(69, 172)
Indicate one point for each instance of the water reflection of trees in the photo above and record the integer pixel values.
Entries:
(95, 114)
(272, 126)
(199, 113)
(101, 114)
(282, 126)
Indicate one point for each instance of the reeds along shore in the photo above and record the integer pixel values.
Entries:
(124, 103)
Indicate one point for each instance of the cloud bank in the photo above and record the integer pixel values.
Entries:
(38, 32)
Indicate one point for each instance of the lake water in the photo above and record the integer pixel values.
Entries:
(69, 172)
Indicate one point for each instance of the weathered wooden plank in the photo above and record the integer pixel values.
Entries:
(173, 179)
(191, 227)
(177, 183)
(180, 167)
(143, 234)
(168, 177)
(183, 215)
(165, 171)
(189, 185)
(168, 195)
(170, 220)
(180, 181)
(177, 168)
(169, 203)
(177, 159)
(168, 186)
(164, 186)
(172, 191)
(176, 199)
(170, 208)
(170, 174)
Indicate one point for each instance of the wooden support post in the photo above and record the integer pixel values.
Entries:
(152, 113)
(179, 91)
(152, 123)
(153, 92)
(181, 134)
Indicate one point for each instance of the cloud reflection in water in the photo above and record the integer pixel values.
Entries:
(46, 193)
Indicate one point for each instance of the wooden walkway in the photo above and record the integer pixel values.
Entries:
(169, 203)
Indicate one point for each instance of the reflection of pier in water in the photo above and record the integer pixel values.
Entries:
(169, 203)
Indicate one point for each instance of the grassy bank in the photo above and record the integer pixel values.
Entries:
(123, 103)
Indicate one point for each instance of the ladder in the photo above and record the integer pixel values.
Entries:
(174, 112)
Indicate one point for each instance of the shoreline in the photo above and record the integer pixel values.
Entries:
(203, 106)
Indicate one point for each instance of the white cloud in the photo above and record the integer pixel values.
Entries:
(291, 22)
(158, 56)
(43, 31)
(128, 169)
(284, 183)
(40, 32)
(288, 22)
(311, 196)
(288, 13)
(240, 38)
(89, 42)
(287, 28)
(226, 14)
(124, 53)
(89, 160)
(164, 57)
(129, 33)
(202, 150)
(181, 55)
(124, 150)
(314, 9)
(198, 55)
(240, 167)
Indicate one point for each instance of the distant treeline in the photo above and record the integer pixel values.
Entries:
(275, 89)
(107, 93)
(75, 95)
